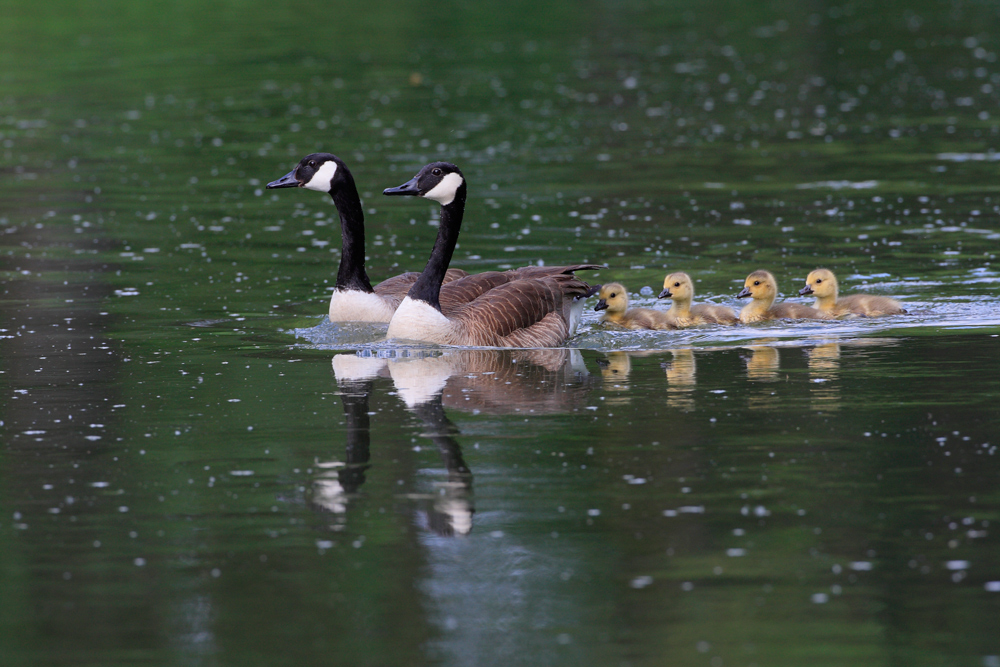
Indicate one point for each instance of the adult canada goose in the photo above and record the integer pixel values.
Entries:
(763, 289)
(530, 307)
(354, 299)
(679, 288)
(613, 299)
(823, 284)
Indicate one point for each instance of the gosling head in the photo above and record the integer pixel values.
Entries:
(677, 286)
(820, 282)
(759, 285)
(612, 298)
(441, 181)
(323, 172)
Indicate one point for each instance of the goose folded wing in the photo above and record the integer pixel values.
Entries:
(528, 272)
(398, 286)
(469, 288)
(514, 308)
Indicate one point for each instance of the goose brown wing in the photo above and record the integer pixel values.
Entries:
(397, 286)
(504, 315)
(469, 288)
(529, 272)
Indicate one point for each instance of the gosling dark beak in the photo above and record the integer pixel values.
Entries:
(744, 292)
(601, 305)
(408, 188)
(286, 181)
(806, 290)
(665, 294)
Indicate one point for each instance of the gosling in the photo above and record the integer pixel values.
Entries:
(679, 288)
(823, 284)
(613, 299)
(763, 288)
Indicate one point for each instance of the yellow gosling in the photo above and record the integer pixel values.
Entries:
(613, 299)
(763, 289)
(823, 284)
(679, 288)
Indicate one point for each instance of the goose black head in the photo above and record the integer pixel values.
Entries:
(440, 181)
(323, 172)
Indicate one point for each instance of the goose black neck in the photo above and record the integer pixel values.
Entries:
(354, 395)
(428, 285)
(352, 275)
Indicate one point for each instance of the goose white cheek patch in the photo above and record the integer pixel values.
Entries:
(322, 178)
(444, 192)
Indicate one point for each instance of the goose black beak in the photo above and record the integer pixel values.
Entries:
(665, 294)
(806, 290)
(408, 188)
(743, 293)
(286, 181)
(601, 305)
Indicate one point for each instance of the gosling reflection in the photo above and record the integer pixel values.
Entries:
(762, 366)
(681, 380)
(824, 367)
(615, 369)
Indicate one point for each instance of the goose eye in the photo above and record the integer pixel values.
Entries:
(677, 284)
(312, 163)
(436, 171)
(819, 280)
(756, 282)
(614, 294)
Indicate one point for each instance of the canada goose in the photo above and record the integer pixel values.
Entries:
(530, 307)
(354, 299)
(679, 288)
(613, 299)
(823, 284)
(763, 288)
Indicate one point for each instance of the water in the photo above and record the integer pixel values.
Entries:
(197, 469)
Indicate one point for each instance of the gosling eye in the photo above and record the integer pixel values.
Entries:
(436, 171)
(756, 282)
(613, 295)
(677, 284)
(819, 280)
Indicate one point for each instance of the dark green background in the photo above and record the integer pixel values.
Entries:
(171, 426)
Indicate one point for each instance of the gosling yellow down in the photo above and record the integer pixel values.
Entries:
(679, 288)
(823, 284)
(613, 299)
(762, 288)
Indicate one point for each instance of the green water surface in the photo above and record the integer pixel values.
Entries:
(196, 468)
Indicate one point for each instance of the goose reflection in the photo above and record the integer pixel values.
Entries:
(494, 381)
(451, 507)
(824, 367)
(681, 380)
(429, 382)
(480, 381)
(338, 480)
